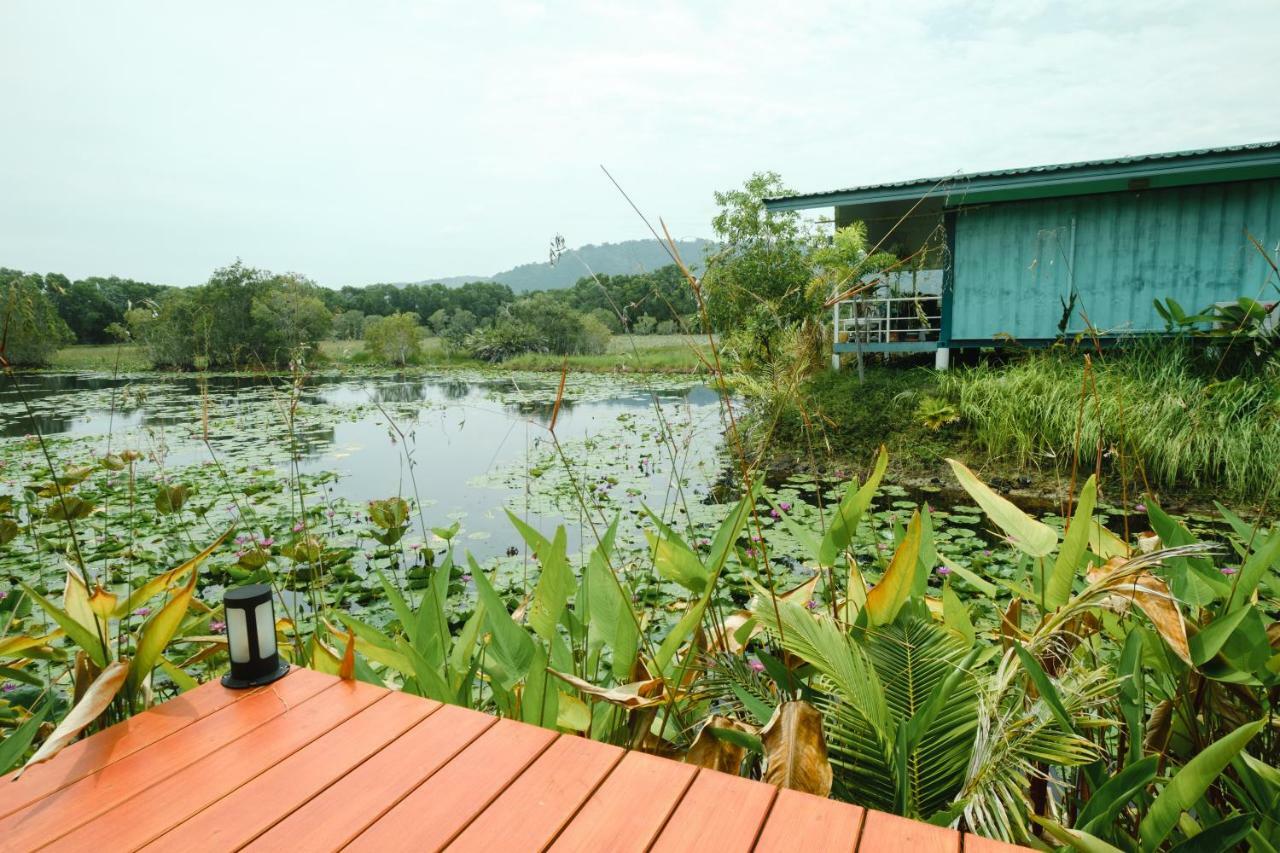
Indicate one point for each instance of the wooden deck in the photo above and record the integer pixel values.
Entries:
(315, 763)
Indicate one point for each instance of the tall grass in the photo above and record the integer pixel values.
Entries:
(1155, 407)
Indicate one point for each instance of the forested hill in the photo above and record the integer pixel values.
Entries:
(626, 258)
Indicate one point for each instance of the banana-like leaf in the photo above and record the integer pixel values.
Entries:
(1099, 814)
(1074, 547)
(1190, 783)
(555, 585)
(1209, 640)
(795, 750)
(91, 705)
(1153, 598)
(572, 713)
(1032, 537)
(1264, 557)
(887, 597)
(158, 631)
(843, 524)
(85, 638)
(637, 694)
(673, 559)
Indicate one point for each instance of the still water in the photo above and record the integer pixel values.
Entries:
(465, 445)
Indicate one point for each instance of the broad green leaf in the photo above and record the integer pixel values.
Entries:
(1032, 537)
(511, 643)
(673, 559)
(1074, 547)
(1264, 556)
(1223, 835)
(555, 585)
(956, 616)
(158, 631)
(1190, 783)
(540, 704)
(1099, 814)
(984, 586)
(1132, 692)
(886, 598)
(161, 582)
(83, 637)
(1210, 639)
(843, 524)
(1074, 838)
(536, 541)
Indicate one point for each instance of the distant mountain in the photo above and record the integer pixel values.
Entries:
(629, 256)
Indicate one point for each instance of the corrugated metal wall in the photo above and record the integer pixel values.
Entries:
(1016, 262)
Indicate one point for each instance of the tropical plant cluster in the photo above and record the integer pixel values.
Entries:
(1102, 694)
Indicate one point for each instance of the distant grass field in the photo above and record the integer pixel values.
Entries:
(638, 354)
(107, 357)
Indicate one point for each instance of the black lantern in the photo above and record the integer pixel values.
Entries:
(251, 637)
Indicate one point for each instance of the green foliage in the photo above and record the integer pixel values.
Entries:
(1160, 406)
(32, 329)
(396, 339)
(241, 318)
(757, 283)
(539, 323)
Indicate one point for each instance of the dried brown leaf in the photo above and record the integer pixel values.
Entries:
(795, 750)
(95, 700)
(1152, 597)
(716, 754)
(637, 694)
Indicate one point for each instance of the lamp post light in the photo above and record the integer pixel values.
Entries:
(251, 637)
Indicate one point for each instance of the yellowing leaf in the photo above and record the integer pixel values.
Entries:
(95, 700)
(887, 597)
(795, 750)
(347, 669)
(102, 603)
(572, 714)
(158, 631)
(1032, 537)
(1152, 596)
(1058, 588)
(637, 694)
(161, 582)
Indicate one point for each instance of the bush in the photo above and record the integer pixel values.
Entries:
(348, 325)
(539, 323)
(395, 339)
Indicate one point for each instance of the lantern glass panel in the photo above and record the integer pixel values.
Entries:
(266, 630)
(238, 635)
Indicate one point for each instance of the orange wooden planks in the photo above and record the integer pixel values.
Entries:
(254, 807)
(884, 832)
(439, 808)
(98, 792)
(157, 808)
(349, 805)
(630, 808)
(978, 844)
(534, 808)
(91, 754)
(804, 822)
(719, 812)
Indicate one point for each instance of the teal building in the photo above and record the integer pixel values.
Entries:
(1028, 255)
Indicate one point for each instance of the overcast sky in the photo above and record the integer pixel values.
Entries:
(391, 141)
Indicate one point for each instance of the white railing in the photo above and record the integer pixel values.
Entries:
(888, 319)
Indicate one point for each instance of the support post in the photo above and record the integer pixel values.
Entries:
(942, 358)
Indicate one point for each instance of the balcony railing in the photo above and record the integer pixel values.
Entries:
(874, 320)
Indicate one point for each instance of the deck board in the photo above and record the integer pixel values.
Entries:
(442, 806)
(64, 810)
(313, 763)
(882, 831)
(254, 807)
(346, 808)
(630, 807)
(718, 813)
(800, 821)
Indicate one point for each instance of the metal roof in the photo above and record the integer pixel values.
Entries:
(1204, 165)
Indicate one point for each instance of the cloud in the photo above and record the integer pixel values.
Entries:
(360, 142)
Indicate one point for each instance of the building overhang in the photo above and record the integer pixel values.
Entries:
(1133, 174)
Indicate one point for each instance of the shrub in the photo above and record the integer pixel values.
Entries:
(394, 339)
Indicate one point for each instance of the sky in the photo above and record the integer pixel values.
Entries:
(357, 142)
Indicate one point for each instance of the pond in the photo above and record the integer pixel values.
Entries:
(464, 445)
(287, 464)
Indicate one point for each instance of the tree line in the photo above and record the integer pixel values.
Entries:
(244, 317)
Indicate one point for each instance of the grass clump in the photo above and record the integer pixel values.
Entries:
(1157, 409)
